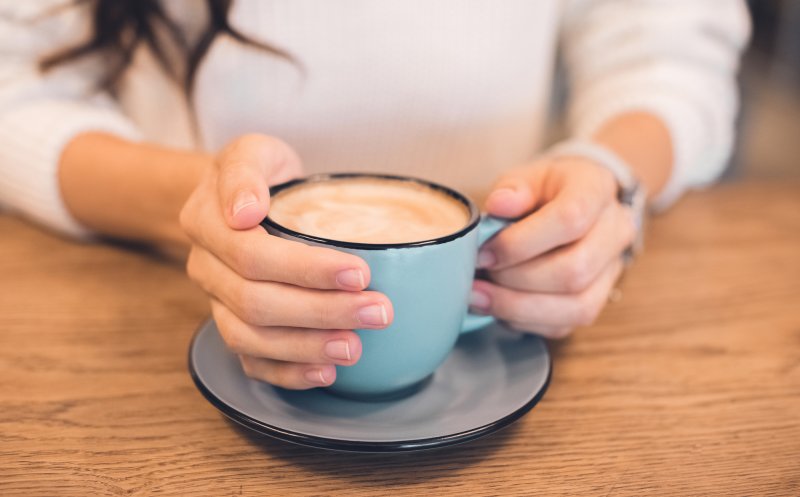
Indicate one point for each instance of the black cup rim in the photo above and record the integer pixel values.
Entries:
(474, 214)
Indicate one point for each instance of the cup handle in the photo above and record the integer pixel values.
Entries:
(488, 227)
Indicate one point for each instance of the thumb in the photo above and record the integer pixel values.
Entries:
(246, 168)
(514, 194)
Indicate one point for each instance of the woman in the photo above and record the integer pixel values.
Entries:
(453, 91)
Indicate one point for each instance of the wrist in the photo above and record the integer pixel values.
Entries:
(643, 141)
(630, 190)
(128, 190)
(179, 179)
(602, 157)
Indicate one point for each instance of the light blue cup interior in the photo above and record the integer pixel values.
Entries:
(428, 284)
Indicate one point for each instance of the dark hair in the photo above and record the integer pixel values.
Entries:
(120, 26)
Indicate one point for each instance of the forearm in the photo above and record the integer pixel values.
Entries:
(642, 140)
(130, 191)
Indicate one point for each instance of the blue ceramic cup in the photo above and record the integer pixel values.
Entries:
(428, 283)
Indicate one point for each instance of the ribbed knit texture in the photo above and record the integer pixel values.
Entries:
(672, 58)
(456, 91)
(29, 180)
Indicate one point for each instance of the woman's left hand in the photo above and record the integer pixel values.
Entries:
(553, 270)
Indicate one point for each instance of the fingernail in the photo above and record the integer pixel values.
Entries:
(316, 377)
(244, 199)
(351, 279)
(486, 259)
(479, 300)
(373, 315)
(338, 350)
(501, 193)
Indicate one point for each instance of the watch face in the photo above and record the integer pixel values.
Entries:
(638, 204)
(628, 196)
(635, 198)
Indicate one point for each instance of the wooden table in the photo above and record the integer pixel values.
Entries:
(688, 386)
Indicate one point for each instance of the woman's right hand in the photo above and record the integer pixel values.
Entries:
(287, 309)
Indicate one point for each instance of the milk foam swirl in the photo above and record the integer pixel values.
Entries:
(368, 210)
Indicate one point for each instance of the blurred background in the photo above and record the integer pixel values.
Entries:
(769, 144)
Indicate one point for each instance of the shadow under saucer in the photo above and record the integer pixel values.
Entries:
(492, 378)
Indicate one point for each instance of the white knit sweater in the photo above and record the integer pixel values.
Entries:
(451, 90)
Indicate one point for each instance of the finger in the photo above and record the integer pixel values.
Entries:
(546, 309)
(515, 193)
(263, 303)
(567, 217)
(256, 255)
(245, 169)
(342, 347)
(290, 375)
(573, 268)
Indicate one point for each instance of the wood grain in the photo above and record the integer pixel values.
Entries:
(688, 386)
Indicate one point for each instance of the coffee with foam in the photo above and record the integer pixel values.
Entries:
(368, 210)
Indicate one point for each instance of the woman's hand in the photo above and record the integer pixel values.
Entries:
(554, 269)
(288, 309)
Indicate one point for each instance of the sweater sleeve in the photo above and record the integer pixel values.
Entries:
(41, 113)
(676, 59)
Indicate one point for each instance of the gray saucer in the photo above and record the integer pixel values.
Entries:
(491, 379)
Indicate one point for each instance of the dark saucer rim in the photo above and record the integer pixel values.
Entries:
(343, 445)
